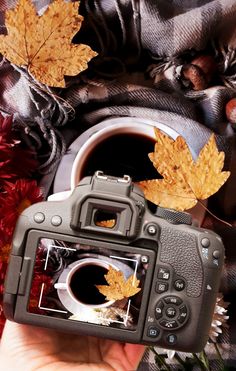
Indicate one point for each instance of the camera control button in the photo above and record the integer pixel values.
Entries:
(39, 217)
(163, 273)
(173, 300)
(216, 254)
(172, 339)
(171, 312)
(159, 309)
(183, 314)
(144, 259)
(179, 285)
(153, 332)
(56, 220)
(161, 287)
(205, 242)
(152, 229)
(168, 324)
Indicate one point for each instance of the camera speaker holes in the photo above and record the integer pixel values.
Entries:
(104, 218)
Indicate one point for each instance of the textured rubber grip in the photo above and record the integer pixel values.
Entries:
(179, 249)
(173, 216)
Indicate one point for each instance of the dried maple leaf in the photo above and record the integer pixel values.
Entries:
(184, 181)
(43, 43)
(118, 288)
(106, 223)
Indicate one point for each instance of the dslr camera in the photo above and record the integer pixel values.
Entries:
(101, 263)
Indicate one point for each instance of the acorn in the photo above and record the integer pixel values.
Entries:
(230, 110)
(200, 71)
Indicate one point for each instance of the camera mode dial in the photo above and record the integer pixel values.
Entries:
(173, 216)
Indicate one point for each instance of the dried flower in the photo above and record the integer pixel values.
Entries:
(219, 318)
(12, 154)
(5, 125)
(16, 194)
(15, 198)
(3, 269)
(2, 320)
(102, 316)
(171, 353)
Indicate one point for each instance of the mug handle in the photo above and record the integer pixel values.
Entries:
(60, 286)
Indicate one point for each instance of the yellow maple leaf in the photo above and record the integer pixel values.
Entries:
(184, 180)
(106, 223)
(43, 43)
(118, 288)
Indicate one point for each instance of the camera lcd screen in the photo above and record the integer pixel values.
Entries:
(88, 283)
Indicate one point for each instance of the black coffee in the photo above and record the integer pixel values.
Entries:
(83, 284)
(122, 154)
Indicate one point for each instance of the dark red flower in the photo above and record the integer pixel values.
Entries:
(7, 137)
(3, 269)
(2, 319)
(15, 160)
(15, 198)
(4, 239)
(5, 125)
(23, 162)
(15, 194)
(6, 171)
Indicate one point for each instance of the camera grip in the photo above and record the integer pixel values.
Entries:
(178, 248)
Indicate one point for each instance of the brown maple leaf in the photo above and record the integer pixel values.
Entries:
(43, 43)
(118, 288)
(184, 181)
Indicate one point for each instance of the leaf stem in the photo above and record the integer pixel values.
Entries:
(214, 216)
(161, 359)
(204, 360)
(202, 367)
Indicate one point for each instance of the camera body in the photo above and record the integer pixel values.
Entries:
(62, 252)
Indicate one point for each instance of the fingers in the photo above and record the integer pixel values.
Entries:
(134, 354)
(15, 335)
(122, 356)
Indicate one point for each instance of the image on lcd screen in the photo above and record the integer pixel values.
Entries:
(89, 284)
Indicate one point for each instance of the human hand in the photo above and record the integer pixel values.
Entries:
(29, 348)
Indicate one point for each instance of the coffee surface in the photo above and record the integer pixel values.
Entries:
(122, 154)
(83, 284)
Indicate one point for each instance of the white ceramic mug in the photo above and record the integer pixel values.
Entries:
(120, 127)
(85, 144)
